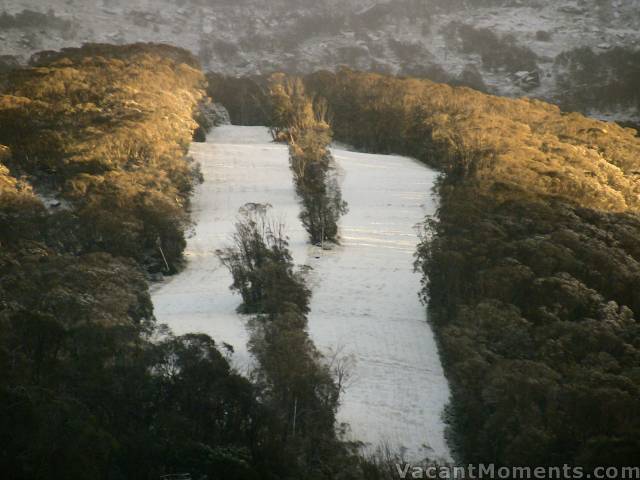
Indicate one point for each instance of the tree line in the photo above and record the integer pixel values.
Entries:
(85, 392)
(299, 387)
(302, 122)
(295, 382)
(530, 270)
(530, 266)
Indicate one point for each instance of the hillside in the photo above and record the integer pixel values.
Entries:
(530, 269)
(94, 179)
(530, 266)
(364, 291)
(95, 187)
(95, 201)
(582, 54)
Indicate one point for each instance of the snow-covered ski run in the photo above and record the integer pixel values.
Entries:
(365, 293)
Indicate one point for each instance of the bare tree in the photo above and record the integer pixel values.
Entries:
(342, 366)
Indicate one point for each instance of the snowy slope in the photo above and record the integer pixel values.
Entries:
(364, 292)
(365, 302)
(240, 165)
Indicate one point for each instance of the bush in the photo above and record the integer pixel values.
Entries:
(543, 36)
(31, 19)
(496, 52)
(606, 80)
(261, 265)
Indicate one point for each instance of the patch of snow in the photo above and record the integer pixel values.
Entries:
(52, 202)
(239, 165)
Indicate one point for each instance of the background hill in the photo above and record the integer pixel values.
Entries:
(582, 54)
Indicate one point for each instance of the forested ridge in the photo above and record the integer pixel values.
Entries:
(84, 393)
(531, 269)
(88, 388)
(531, 265)
(106, 130)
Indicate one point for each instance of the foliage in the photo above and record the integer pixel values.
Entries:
(261, 264)
(531, 265)
(534, 305)
(31, 19)
(298, 120)
(295, 383)
(86, 400)
(87, 389)
(109, 128)
(605, 80)
(244, 98)
(514, 148)
(94, 190)
(495, 51)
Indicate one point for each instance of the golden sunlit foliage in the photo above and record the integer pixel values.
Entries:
(301, 121)
(94, 192)
(100, 134)
(109, 127)
(510, 144)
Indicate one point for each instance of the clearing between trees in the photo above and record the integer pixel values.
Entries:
(364, 291)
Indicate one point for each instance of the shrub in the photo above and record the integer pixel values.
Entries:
(496, 51)
(261, 265)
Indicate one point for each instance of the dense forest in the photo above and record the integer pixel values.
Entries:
(84, 392)
(531, 265)
(94, 201)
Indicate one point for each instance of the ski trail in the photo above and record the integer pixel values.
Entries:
(365, 302)
(364, 291)
(240, 165)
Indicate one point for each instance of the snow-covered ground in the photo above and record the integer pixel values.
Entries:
(365, 301)
(240, 165)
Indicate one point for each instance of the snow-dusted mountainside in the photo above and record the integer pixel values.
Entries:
(365, 293)
(509, 47)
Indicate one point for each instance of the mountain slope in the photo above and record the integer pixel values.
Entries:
(506, 47)
(365, 311)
